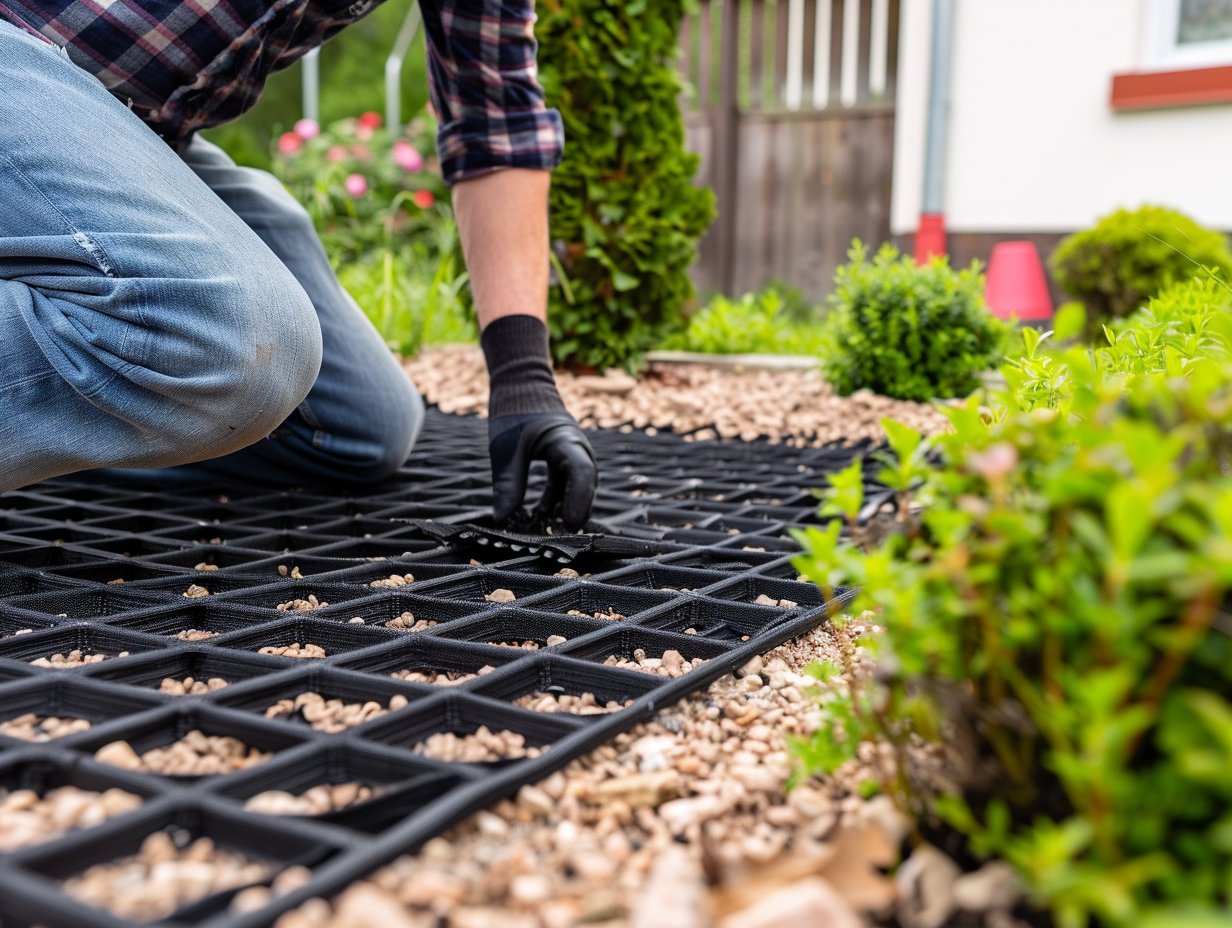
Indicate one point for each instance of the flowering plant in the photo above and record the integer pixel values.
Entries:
(365, 187)
(382, 210)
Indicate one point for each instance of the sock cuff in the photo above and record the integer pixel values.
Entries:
(519, 367)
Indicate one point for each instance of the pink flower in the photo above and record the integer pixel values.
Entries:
(364, 133)
(336, 153)
(362, 152)
(289, 142)
(406, 157)
(356, 185)
(423, 199)
(994, 464)
(307, 129)
(371, 120)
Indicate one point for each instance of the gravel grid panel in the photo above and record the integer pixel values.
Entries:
(723, 511)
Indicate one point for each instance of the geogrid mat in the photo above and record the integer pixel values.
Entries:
(722, 512)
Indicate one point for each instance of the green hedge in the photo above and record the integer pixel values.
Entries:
(1130, 256)
(907, 330)
(625, 215)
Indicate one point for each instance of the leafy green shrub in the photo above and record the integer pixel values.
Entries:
(1129, 256)
(413, 302)
(1055, 616)
(757, 323)
(366, 188)
(1183, 324)
(915, 332)
(625, 215)
(383, 214)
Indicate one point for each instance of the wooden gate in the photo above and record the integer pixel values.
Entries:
(791, 108)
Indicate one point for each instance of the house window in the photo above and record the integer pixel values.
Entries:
(1187, 34)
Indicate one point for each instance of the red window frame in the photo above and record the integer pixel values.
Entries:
(1188, 87)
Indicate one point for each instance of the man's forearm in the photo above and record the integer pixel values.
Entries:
(503, 223)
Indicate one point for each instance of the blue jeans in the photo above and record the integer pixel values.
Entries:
(160, 309)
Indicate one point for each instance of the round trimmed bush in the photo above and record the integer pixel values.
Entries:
(910, 331)
(1131, 256)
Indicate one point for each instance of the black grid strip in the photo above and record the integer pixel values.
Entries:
(106, 570)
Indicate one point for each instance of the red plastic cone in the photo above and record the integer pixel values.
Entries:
(1017, 288)
(930, 239)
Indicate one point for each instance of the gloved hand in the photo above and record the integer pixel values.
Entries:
(527, 421)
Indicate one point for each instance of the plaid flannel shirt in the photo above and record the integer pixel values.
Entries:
(185, 66)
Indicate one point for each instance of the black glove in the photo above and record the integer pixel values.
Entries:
(527, 421)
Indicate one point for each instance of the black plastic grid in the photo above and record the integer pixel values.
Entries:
(106, 570)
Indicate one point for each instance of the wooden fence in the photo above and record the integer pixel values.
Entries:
(791, 107)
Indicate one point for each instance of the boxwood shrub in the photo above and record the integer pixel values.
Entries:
(910, 331)
(1130, 256)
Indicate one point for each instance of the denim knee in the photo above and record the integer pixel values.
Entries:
(394, 430)
(257, 354)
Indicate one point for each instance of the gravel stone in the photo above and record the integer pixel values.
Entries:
(394, 581)
(190, 686)
(585, 704)
(707, 785)
(318, 800)
(443, 678)
(332, 715)
(27, 819)
(671, 664)
(74, 658)
(194, 634)
(408, 623)
(161, 878)
(31, 727)
(295, 649)
(196, 754)
(302, 605)
(811, 901)
(925, 884)
(481, 746)
(795, 407)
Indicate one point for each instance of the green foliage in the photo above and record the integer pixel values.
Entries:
(841, 724)
(757, 323)
(352, 81)
(625, 215)
(398, 205)
(394, 245)
(845, 495)
(1130, 256)
(1182, 325)
(1058, 605)
(915, 332)
(414, 302)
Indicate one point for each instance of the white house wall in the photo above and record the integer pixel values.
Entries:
(1033, 145)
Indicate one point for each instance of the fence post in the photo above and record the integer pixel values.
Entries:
(310, 84)
(726, 141)
(393, 68)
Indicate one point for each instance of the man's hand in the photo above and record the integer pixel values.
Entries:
(554, 437)
(503, 223)
(527, 421)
